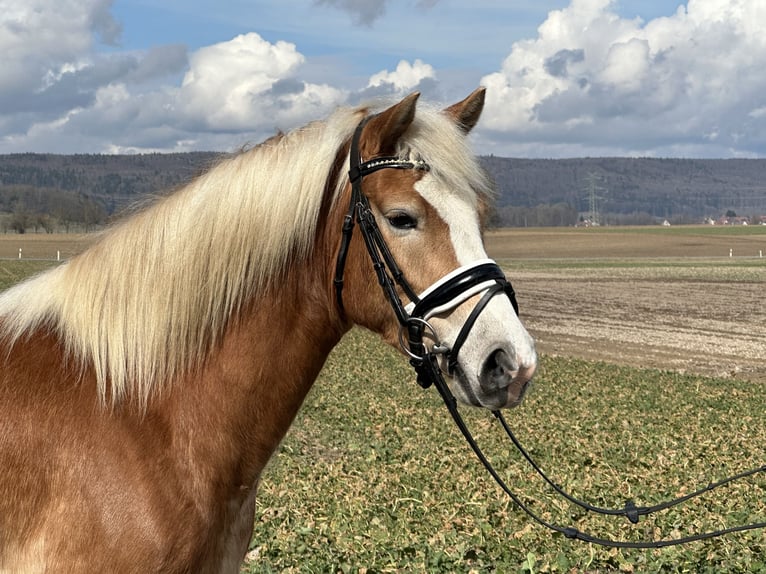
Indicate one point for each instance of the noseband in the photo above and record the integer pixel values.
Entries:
(481, 277)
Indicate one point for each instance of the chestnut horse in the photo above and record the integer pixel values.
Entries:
(145, 383)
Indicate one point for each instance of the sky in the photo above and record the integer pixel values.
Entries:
(564, 78)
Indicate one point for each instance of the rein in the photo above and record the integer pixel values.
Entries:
(447, 293)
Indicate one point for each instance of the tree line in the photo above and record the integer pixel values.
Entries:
(48, 192)
(26, 208)
(45, 192)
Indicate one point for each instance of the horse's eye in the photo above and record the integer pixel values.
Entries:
(401, 220)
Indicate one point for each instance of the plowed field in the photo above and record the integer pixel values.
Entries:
(670, 299)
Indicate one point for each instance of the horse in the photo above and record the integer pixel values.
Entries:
(146, 382)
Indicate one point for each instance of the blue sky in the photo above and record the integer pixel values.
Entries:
(565, 78)
(322, 29)
(473, 36)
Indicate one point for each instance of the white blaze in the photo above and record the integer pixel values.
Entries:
(497, 327)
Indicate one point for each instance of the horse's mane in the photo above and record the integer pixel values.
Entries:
(150, 298)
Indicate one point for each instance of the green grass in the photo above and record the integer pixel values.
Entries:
(12, 272)
(373, 476)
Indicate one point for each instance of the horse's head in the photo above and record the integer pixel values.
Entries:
(427, 193)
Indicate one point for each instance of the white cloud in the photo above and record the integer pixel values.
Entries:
(406, 76)
(601, 80)
(40, 38)
(225, 79)
(249, 83)
(627, 65)
(588, 83)
(64, 96)
(405, 79)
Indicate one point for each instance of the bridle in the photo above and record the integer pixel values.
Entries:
(486, 278)
(483, 276)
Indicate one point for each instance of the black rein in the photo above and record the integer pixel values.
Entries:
(426, 364)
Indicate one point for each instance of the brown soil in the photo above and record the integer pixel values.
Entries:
(43, 245)
(711, 328)
(660, 306)
(638, 242)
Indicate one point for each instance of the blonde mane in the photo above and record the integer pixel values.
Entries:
(149, 299)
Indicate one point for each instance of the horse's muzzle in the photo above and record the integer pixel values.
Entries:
(502, 378)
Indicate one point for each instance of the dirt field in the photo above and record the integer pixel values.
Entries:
(702, 326)
(671, 299)
(42, 245)
(627, 242)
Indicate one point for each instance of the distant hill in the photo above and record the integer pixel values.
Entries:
(662, 188)
(112, 179)
(40, 188)
(80, 192)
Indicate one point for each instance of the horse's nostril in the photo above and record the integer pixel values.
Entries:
(498, 371)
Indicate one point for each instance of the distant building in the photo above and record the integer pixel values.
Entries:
(737, 220)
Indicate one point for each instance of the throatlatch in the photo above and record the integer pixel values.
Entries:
(486, 278)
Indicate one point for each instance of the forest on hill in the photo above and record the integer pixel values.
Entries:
(58, 192)
(628, 190)
(63, 192)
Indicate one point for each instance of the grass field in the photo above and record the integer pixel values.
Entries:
(373, 477)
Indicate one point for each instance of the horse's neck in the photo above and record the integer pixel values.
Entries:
(234, 413)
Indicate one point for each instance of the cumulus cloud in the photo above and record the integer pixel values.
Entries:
(44, 46)
(590, 82)
(59, 93)
(56, 88)
(406, 78)
(248, 82)
(688, 84)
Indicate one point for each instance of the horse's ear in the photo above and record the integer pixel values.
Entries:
(384, 130)
(466, 113)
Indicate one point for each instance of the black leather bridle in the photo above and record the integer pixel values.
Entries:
(486, 278)
(483, 276)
